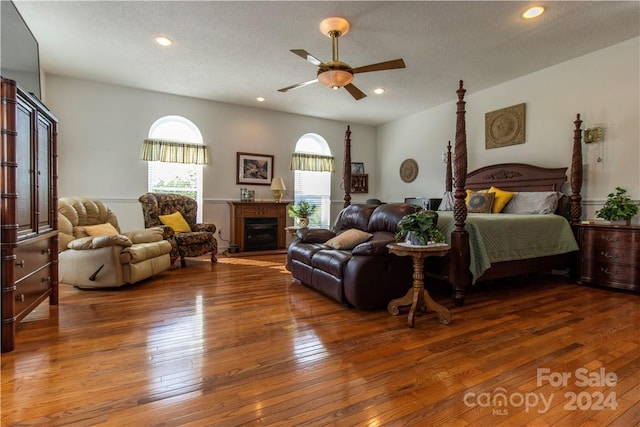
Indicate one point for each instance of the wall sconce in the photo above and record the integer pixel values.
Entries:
(278, 189)
(593, 135)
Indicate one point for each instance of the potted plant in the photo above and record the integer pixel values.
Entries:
(301, 211)
(419, 228)
(618, 207)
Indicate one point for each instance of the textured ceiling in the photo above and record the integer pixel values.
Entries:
(235, 51)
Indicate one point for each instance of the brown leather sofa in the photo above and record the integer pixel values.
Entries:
(367, 276)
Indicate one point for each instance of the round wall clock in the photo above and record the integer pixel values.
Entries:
(409, 170)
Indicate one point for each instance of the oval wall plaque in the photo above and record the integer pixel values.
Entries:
(409, 170)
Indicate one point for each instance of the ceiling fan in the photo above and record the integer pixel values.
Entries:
(335, 73)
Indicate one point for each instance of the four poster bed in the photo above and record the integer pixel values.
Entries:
(467, 261)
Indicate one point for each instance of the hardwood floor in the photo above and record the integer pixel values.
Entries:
(241, 343)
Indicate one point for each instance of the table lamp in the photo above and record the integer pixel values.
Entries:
(277, 188)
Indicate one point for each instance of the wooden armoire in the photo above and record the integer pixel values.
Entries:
(29, 205)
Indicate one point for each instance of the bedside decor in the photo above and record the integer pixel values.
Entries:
(409, 170)
(419, 228)
(504, 127)
(618, 207)
(256, 169)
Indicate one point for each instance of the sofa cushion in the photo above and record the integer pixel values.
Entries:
(349, 239)
(330, 261)
(354, 216)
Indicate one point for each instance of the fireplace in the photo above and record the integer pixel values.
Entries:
(258, 226)
(260, 234)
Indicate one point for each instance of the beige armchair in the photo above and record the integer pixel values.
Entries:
(93, 253)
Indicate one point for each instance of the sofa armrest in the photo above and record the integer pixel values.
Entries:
(96, 242)
(314, 235)
(148, 235)
(211, 228)
(372, 247)
(376, 246)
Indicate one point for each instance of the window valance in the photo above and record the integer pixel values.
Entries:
(312, 162)
(174, 152)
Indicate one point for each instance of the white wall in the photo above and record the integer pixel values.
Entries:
(102, 128)
(604, 87)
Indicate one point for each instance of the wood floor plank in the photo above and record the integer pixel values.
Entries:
(241, 343)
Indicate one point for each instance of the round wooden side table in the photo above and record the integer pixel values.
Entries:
(417, 297)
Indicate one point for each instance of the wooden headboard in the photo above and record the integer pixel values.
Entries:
(517, 177)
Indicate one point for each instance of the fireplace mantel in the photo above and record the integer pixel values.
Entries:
(240, 211)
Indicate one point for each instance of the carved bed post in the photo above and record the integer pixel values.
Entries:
(448, 185)
(576, 174)
(459, 274)
(346, 168)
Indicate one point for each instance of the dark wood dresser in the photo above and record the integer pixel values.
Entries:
(610, 256)
(29, 207)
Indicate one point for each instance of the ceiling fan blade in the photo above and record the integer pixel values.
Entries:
(297, 85)
(380, 66)
(355, 92)
(307, 56)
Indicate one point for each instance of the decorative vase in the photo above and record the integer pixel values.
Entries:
(303, 222)
(412, 239)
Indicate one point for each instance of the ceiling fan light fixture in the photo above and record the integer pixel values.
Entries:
(334, 23)
(335, 79)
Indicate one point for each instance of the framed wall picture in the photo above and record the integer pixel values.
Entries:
(254, 169)
(357, 167)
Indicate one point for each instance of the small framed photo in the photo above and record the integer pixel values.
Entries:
(357, 167)
(254, 169)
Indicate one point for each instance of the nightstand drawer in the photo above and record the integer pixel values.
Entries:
(607, 238)
(611, 274)
(609, 254)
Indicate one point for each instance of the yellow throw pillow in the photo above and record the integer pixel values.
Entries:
(175, 221)
(349, 239)
(105, 229)
(502, 198)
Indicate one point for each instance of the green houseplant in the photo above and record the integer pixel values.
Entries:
(618, 206)
(419, 228)
(301, 211)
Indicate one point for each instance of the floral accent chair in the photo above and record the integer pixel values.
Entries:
(201, 240)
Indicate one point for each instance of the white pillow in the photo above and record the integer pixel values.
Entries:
(533, 202)
(447, 201)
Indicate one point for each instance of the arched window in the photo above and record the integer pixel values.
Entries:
(169, 176)
(314, 187)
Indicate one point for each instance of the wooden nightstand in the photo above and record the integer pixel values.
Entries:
(610, 256)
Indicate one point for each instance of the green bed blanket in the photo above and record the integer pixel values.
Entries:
(507, 237)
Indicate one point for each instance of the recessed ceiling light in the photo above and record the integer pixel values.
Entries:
(261, 99)
(379, 91)
(164, 41)
(533, 12)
